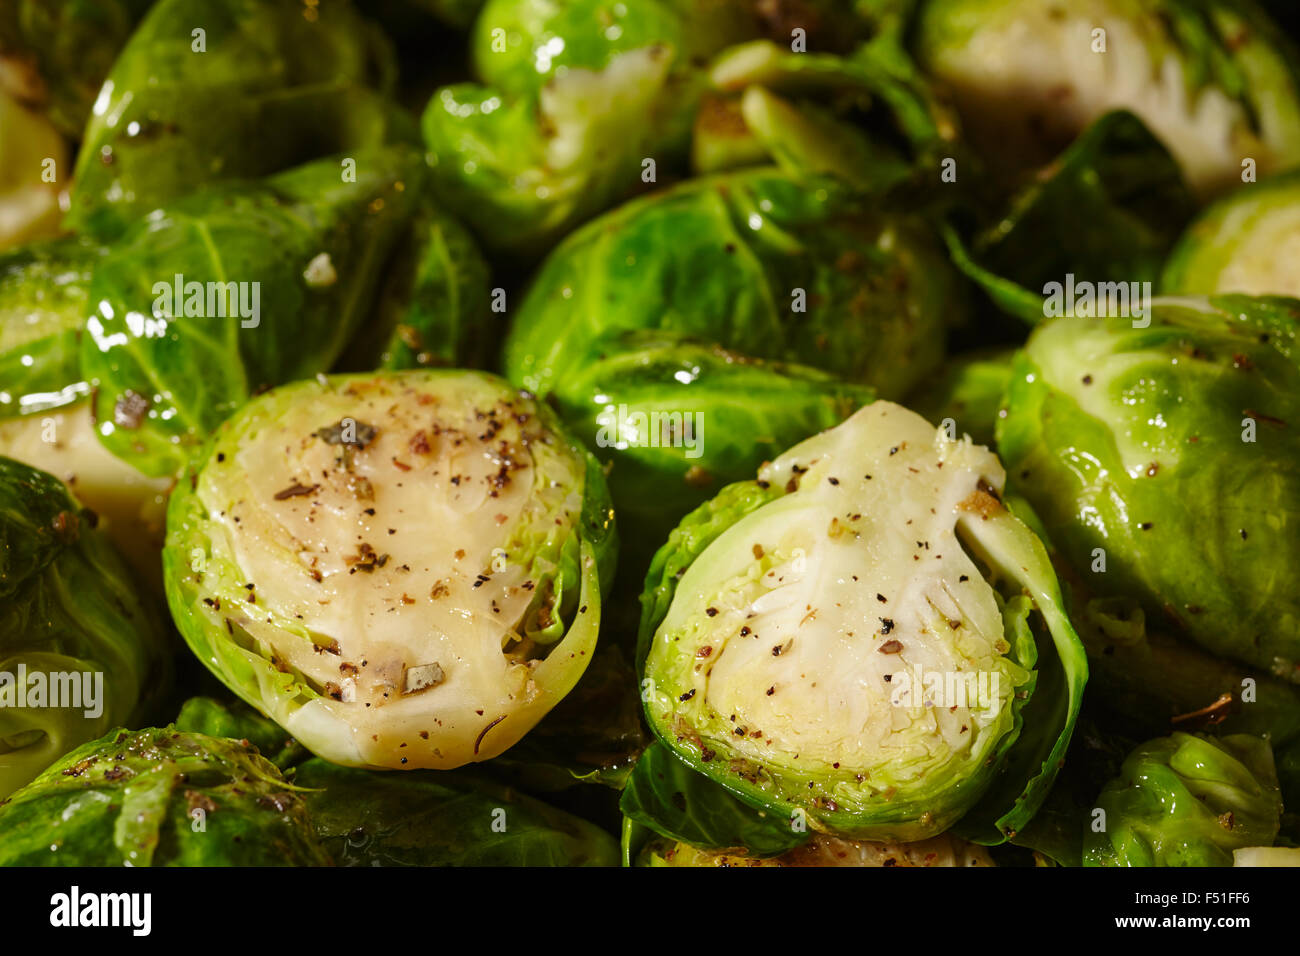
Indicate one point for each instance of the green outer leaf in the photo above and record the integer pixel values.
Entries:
(1137, 204)
(195, 370)
(1141, 431)
(67, 605)
(1029, 769)
(433, 305)
(129, 798)
(665, 795)
(44, 291)
(442, 818)
(170, 119)
(238, 721)
(1169, 805)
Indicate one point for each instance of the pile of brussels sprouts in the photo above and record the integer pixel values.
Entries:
(657, 432)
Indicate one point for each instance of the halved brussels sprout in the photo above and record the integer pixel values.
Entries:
(1247, 242)
(1162, 457)
(1186, 800)
(159, 797)
(1214, 79)
(235, 288)
(575, 96)
(403, 570)
(854, 642)
(80, 651)
(944, 850)
(229, 89)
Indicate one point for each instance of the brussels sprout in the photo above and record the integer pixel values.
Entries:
(238, 721)
(435, 818)
(44, 295)
(1137, 205)
(63, 49)
(432, 308)
(366, 818)
(230, 89)
(1185, 800)
(403, 570)
(1158, 454)
(1214, 79)
(943, 850)
(159, 797)
(32, 158)
(1247, 242)
(661, 311)
(831, 645)
(131, 507)
(232, 289)
(80, 652)
(575, 98)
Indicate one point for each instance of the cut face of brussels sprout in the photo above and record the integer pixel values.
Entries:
(1162, 458)
(159, 797)
(944, 850)
(402, 569)
(1211, 79)
(1247, 242)
(841, 650)
(1185, 800)
(80, 652)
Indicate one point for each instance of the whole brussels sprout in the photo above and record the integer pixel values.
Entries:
(224, 90)
(864, 642)
(1214, 79)
(1247, 242)
(575, 97)
(422, 818)
(432, 308)
(235, 288)
(402, 569)
(1185, 800)
(433, 818)
(1159, 455)
(80, 651)
(159, 797)
(944, 850)
(742, 313)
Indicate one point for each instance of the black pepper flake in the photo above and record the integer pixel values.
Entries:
(886, 625)
(688, 695)
(295, 490)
